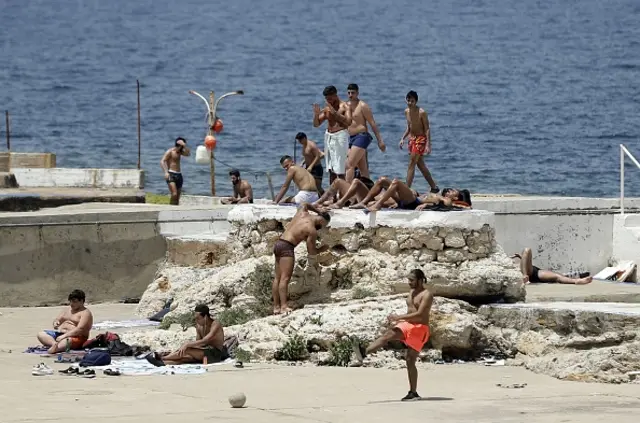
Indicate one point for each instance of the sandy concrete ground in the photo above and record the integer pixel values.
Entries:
(453, 393)
(596, 291)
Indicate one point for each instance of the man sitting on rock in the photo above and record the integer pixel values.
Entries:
(303, 226)
(533, 274)
(209, 343)
(412, 329)
(71, 328)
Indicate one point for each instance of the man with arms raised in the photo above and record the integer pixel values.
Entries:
(336, 138)
(306, 183)
(71, 328)
(242, 191)
(209, 343)
(312, 159)
(360, 138)
(170, 163)
(303, 226)
(411, 328)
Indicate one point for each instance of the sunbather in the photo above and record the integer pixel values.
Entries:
(450, 197)
(396, 195)
(354, 192)
(533, 274)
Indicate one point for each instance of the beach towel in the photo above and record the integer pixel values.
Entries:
(134, 323)
(141, 367)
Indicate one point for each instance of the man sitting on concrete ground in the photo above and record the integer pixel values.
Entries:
(533, 274)
(303, 226)
(396, 195)
(71, 328)
(170, 163)
(209, 343)
(412, 329)
(242, 191)
(354, 192)
(312, 159)
(306, 183)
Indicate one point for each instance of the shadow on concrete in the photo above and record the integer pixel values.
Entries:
(421, 399)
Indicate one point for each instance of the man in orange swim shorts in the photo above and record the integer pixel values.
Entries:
(71, 328)
(411, 328)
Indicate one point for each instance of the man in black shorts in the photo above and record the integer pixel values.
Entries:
(312, 159)
(533, 274)
(170, 163)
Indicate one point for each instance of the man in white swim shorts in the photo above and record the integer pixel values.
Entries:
(304, 180)
(336, 138)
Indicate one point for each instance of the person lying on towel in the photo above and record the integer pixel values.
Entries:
(450, 197)
(209, 343)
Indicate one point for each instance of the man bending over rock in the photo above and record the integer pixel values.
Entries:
(209, 343)
(71, 328)
(411, 328)
(303, 226)
(533, 274)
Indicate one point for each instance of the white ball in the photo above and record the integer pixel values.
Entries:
(237, 400)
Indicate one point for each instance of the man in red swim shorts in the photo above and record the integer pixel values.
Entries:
(419, 133)
(411, 328)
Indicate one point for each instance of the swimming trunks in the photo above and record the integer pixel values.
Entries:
(336, 147)
(317, 171)
(534, 275)
(283, 248)
(306, 197)
(409, 206)
(215, 355)
(417, 145)
(77, 342)
(415, 335)
(176, 178)
(362, 140)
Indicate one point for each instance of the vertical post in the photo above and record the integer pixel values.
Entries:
(621, 179)
(139, 139)
(6, 113)
(212, 165)
(273, 194)
(295, 149)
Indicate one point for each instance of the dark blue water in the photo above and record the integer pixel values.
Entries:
(523, 96)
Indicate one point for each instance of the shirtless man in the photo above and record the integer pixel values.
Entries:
(336, 138)
(242, 191)
(209, 343)
(71, 328)
(533, 274)
(170, 163)
(396, 194)
(419, 134)
(312, 159)
(411, 328)
(360, 138)
(303, 226)
(355, 192)
(306, 183)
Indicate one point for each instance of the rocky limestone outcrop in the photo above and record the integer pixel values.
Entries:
(456, 329)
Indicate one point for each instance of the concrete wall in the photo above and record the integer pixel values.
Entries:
(5, 162)
(79, 178)
(33, 160)
(562, 242)
(626, 238)
(41, 265)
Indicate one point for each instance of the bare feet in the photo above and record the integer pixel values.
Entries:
(286, 310)
(374, 208)
(335, 206)
(358, 206)
(276, 310)
(584, 281)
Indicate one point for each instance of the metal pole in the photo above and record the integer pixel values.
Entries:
(139, 139)
(6, 113)
(295, 149)
(273, 194)
(621, 179)
(212, 165)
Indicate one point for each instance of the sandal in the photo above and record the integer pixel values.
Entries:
(111, 372)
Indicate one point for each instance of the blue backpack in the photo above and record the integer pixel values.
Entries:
(96, 358)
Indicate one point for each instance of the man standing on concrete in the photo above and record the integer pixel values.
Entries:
(412, 329)
(242, 191)
(170, 163)
(336, 138)
(359, 136)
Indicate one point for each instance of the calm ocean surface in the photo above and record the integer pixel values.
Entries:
(523, 96)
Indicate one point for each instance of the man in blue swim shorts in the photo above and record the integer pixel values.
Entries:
(359, 136)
